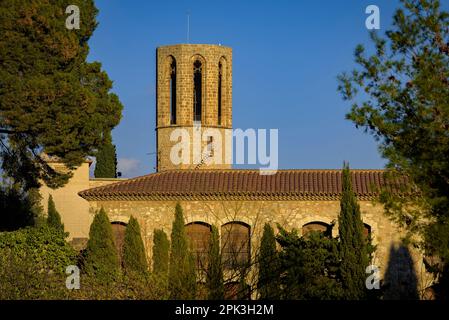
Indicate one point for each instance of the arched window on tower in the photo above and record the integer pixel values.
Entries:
(197, 90)
(235, 244)
(220, 85)
(173, 92)
(199, 234)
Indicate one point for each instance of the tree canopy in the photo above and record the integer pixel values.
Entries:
(106, 156)
(354, 253)
(182, 273)
(268, 262)
(134, 256)
(102, 260)
(53, 216)
(400, 95)
(52, 101)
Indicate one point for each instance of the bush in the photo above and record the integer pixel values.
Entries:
(43, 246)
(309, 267)
(33, 263)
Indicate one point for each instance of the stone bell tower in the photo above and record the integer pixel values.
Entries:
(194, 107)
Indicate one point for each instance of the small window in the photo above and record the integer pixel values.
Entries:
(210, 146)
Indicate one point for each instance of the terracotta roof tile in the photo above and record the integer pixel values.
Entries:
(242, 184)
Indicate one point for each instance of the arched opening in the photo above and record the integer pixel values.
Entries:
(220, 86)
(317, 226)
(367, 230)
(197, 90)
(199, 234)
(118, 231)
(235, 244)
(173, 91)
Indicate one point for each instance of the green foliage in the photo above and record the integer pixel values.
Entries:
(51, 99)
(18, 208)
(101, 259)
(353, 245)
(43, 246)
(405, 106)
(161, 247)
(53, 217)
(268, 262)
(182, 270)
(309, 266)
(214, 277)
(21, 279)
(134, 257)
(106, 156)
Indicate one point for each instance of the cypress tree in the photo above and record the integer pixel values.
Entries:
(134, 256)
(161, 247)
(353, 245)
(268, 282)
(214, 280)
(53, 216)
(182, 271)
(102, 259)
(106, 156)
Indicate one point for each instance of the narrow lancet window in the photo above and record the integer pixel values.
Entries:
(173, 92)
(220, 80)
(197, 90)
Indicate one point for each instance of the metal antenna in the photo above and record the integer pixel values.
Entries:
(188, 26)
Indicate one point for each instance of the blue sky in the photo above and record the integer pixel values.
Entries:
(286, 57)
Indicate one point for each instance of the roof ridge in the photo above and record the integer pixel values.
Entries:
(257, 170)
(238, 181)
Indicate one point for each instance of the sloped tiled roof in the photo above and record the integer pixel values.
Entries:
(243, 184)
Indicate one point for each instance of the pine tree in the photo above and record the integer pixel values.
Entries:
(53, 216)
(214, 280)
(102, 259)
(268, 282)
(161, 247)
(134, 256)
(353, 245)
(52, 100)
(106, 156)
(182, 271)
(399, 93)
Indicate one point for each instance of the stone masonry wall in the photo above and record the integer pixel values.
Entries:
(185, 55)
(290, 214)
